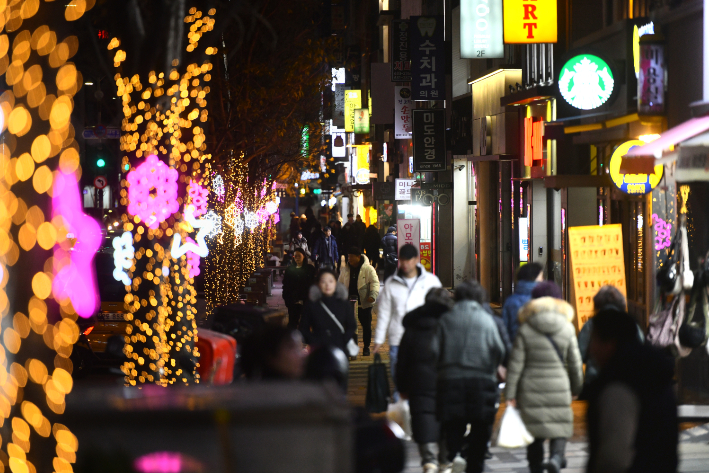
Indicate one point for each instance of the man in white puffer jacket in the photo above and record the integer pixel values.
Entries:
(404, 291)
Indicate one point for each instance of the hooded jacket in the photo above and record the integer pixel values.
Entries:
(318, 328)
(513, 303)
(632, 416)
(396, 300)
(302, 244)
(320, 250)
(389, 242)
(368, 284)
(537, 379)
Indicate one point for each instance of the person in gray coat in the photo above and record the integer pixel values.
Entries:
(468, 349)
(544, 373)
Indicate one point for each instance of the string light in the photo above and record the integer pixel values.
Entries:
(216, 224)
(251, 220)
(123, 253)
(218, 187)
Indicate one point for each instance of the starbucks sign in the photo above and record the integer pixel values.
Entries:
(586, 82)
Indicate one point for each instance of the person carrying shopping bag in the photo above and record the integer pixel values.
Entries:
(544, 372)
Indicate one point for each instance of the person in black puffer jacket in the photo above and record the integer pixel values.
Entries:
(390, 250)
(416, 374)
(297, 281)
(317, 326)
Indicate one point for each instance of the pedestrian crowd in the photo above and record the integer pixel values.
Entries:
(453, 359)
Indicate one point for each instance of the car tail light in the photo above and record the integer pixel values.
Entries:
(88, 330)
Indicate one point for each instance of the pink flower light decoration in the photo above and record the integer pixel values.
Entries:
(193, 261)
(152, 194)
(198, 198)
(263, 215)
(74, 276)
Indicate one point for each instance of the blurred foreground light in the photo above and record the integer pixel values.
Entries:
(167, 462)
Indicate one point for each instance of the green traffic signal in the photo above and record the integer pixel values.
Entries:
(100, 163)
(317, 191)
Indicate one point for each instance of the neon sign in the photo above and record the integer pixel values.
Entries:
(663, 233)
(586, 82)
(123, 253)
(152, 191)
(200, 248)
(632, 183)
(74, 269)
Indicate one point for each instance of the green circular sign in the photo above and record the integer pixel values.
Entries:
(586, 82)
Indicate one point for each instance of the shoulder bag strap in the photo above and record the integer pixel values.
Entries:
(557, 348)
(332, 316)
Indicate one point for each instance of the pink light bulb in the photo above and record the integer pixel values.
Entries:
(152, 191)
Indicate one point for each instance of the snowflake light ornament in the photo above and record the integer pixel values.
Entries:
(272, 207)
(230, 215)
(216, 224)
(218, 187)
(152, 191)
(251, 220)
(123, 253)
(197, 197)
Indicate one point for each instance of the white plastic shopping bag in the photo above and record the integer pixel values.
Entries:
(398, 412)
(513, 433)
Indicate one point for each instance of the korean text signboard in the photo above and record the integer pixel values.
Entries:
(401, 63)
(429, 138)
(632, 183)
(597, 259)
(352, 102)
(523, 243)
(651, 82)
(403, 189)
(530, 21)
(407, 232)
(339, 106)
(402, 113)
(362, 121)
(426, 40)
(482, 29)
(425, 255)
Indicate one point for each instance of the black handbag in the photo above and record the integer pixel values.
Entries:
(378, 386)
(667, 276)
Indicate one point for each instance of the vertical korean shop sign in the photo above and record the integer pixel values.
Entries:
(401, 63)
(426, 39)
(651, 81)
(529, 21)
(402, 113)
(352, 102)
(407, 232)
(362, 121)
(429, 138)
(339, 106)
(482, 29)
(597, 259)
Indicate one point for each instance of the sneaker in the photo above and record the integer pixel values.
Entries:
(431, 468)
(445, 468)
(459, 465)
(366, 352)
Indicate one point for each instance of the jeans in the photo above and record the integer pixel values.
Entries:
(477, 442)
(536, 452)
(431, 454)
(365, 318)
(393, 370)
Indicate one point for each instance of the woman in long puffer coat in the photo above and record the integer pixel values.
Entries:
(544, 372)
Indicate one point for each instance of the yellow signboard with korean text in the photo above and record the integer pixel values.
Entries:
(529, 21)
(632, 183)
(596, 255)
(352, 102)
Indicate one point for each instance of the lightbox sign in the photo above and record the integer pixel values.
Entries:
(429, 139)
(361, 169)
(362, 121)
(632, 183)
(426, 36)
(534, 132)
(651, 79)
(352, 102)
(586, 82)
(530, 21)
(482, 29)
(402, 113)
(401, 63)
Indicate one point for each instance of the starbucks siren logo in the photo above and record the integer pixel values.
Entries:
(586, 82)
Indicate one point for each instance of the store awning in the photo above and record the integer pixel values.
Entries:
(642, 159)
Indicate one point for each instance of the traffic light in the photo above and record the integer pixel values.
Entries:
(317, 191)
(100, 163)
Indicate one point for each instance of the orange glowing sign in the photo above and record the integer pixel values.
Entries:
(529, 21)
(534, 131)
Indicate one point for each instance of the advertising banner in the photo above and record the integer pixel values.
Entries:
(523, 244)
(407, 232)
(361, 171)
(401, 63)
(402, 113)
(362, 121)
(482, 29)
(597, 259)
(425, 255)
(528, 22)
(352, 102)
(429, 137)
(651, 82)
(426, 40)
(403, 189)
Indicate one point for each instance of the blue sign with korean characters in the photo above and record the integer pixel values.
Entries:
(426, 40)
(429, 137)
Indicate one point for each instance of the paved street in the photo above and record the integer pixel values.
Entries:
(693, 442)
